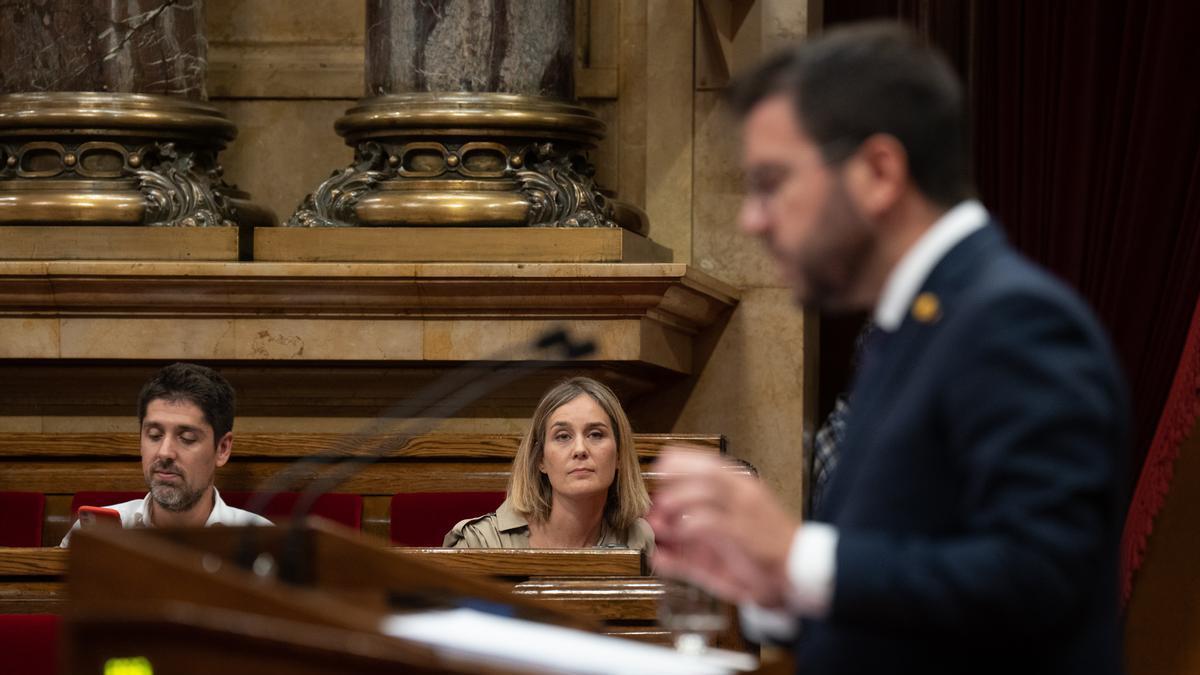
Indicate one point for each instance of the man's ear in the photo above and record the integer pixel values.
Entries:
(877, 174)
(224, 448)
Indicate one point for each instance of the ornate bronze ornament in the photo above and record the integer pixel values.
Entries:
(456, 159)
(87, 158)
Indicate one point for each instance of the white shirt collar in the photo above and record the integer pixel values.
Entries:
(220, 513)
(907, 277)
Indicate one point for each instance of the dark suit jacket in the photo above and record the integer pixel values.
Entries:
(977, 497)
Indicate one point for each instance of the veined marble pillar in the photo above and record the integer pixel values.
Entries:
(103, 119)
(468, 121)
(485, 46)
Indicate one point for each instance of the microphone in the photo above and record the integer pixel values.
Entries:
(445, 396)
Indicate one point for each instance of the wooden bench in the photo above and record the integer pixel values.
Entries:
(59, 465)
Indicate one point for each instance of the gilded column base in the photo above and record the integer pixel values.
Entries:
(466, 159)
(89, 158)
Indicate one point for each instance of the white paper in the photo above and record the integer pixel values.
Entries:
(518, 642)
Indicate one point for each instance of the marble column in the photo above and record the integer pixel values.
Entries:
(505, 46)
(469, 120)
(104, 119)
(135, 46)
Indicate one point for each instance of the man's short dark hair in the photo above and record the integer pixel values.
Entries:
(872, 78)
(200, 385)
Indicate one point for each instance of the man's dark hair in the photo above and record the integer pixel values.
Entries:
(872, 78)
(196, 384)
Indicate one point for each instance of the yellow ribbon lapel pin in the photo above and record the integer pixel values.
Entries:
(927, 308)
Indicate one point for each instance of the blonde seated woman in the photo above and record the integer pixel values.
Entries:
(575, 480)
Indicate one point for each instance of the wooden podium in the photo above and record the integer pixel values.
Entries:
(265, 600)
(177, 602)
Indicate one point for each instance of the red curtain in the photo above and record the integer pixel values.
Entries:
(1158, 471)
(1085, 121)
(1087, 147)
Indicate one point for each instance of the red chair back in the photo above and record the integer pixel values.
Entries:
(21, 522)
(424, 518)
(340, 508)
(29, 644)
(101, 498)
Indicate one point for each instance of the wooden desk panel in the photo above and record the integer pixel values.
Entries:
(603, 585)
(33, 562)
(513, 562)
(32, 577)
(613, 598)
(587, 562)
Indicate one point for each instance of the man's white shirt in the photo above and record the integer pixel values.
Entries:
(136, 513)
(812, 560)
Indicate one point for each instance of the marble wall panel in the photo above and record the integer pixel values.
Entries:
(750, 386)
(718, 247)
(29, 338)
(104, 338)
(786, 20)
(758, 383)
(299, 339)
(284, 149)
(23, 424)
(631, 105)
(669, 134)
(321, 22)
(458, 340)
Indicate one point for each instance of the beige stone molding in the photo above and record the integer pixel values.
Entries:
(123, 242)
(638, 314)
(454, 244)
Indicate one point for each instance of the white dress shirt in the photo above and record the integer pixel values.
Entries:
(812, 560)
(136, 513)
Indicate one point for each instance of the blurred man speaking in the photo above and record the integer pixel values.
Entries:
(972, 522)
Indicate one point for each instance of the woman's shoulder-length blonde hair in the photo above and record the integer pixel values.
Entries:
(529, 491)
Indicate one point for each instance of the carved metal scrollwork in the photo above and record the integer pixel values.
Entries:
(561, 194)
(332, 203)
(8, 160)
(178, 194)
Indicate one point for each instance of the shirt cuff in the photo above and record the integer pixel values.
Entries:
(766, 625)
(811, 567)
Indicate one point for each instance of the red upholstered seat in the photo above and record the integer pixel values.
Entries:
(29, 644)
(101, 498)
(21, 524)
(424, 518)
(340, 508)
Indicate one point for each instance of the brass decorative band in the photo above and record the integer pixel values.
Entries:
(479, 114)
(454, 159)
(164, 117)
(91, 158)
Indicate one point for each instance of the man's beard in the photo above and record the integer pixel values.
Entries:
(175, 498)
(832, 268)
